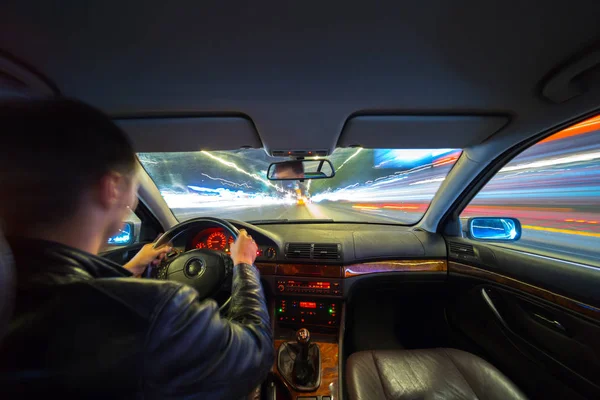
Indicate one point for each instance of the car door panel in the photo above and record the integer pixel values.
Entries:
(512, 311)
(568, 278)
(564, 337)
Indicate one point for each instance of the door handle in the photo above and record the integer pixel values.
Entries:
(549, 321)
(490, 303)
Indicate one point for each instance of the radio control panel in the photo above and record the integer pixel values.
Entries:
(326, 287)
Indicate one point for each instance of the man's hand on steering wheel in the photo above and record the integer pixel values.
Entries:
(147, 255)
(243, 251)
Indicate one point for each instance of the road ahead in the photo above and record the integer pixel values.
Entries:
(535, 235)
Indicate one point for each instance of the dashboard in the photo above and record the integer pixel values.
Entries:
(310, 267)
(357, 243)
(217, 238)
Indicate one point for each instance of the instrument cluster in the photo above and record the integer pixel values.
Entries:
(220, 240)
(213, 239)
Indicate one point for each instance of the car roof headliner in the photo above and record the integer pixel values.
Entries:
(298, 72)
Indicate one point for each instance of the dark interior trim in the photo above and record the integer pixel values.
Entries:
(150, 226)
(30, 71)
(455, 268)
(342, 335)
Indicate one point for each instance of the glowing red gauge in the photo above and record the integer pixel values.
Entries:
(229, 244)
(216, 241)
(200, 245)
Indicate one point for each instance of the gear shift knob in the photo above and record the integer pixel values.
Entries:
(303, 336)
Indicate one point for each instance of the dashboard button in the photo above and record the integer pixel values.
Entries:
(281, 288)
(270, 253)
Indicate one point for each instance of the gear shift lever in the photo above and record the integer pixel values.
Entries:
(303, 369)
(299, 362)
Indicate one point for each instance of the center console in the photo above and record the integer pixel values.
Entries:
(307, 320)
(295, 312)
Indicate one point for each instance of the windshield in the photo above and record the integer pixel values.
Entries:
(370, 185)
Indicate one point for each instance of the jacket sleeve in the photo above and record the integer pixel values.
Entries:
(193, 351)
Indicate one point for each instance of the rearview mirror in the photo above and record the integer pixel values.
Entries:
(494, 228)
(124, 237)
(300, 169)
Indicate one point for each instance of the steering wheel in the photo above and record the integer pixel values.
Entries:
(207, 271)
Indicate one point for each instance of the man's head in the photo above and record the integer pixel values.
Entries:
(289, 170)
(63, 163)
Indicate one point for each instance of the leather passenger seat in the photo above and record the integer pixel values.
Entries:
(425, 374)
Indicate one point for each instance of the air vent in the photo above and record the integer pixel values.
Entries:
(461, 249)
(298, 250)
(319, 251)
(326, 251)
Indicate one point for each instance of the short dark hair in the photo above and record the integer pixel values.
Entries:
(297, 167)
(51, 152)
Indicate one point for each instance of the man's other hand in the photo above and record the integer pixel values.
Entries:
(243, 251)
(147, 255)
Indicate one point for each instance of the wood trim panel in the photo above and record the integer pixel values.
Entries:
(322, 271)
(266, 269)
(336, 271)
(395, 266)
(307, 270)
(560, 300)
(329, 371)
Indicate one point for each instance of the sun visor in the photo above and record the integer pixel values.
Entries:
(190, 134)
(419, 131)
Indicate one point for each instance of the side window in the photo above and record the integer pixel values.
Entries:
(127, 235)
(553, 189)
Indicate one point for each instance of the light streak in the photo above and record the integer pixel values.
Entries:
(586, 126)
(240, 170)
(222, 198)
(427, 181)
(230, 183)
(412, 155)
(350, 158)
(558, 230)
(554, 161)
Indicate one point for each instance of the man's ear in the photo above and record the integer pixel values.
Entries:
(110, 189)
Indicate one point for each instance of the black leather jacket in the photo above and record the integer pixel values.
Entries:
(82, 327)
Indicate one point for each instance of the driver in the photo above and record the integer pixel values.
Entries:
(289, 170)
(82, 326)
